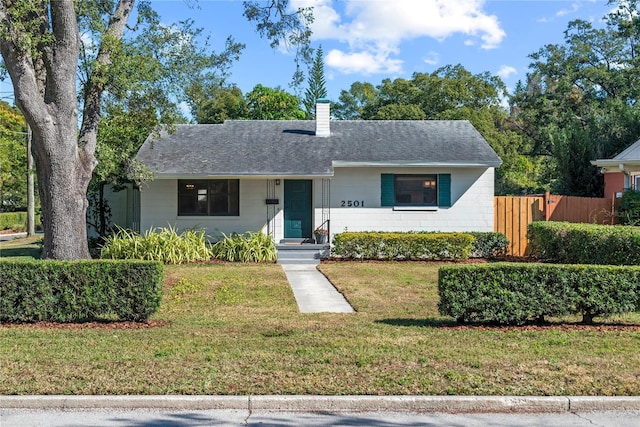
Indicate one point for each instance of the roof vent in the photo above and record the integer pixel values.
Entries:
(323, 114)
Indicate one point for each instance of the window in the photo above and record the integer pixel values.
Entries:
(431, 190)
(416, 190)
(637, 178)
(214, 197)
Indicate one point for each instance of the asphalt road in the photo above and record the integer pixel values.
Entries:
(233, 418)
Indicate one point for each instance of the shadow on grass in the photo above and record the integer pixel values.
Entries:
(33, 252)
(21, 252)
(429, 322)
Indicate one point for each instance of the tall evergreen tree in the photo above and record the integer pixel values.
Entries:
(317, 88)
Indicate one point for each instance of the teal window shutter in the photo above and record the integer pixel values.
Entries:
(444, 190)
(387, 189)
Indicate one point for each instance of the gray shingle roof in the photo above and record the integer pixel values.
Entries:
(264, 148)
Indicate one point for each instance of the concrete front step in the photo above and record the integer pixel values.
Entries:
(291, 253)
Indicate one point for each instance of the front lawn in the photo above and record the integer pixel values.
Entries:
(25, 248)
(235, 329)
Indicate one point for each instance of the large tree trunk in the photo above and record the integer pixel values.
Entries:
(63, 187)
(40, 51)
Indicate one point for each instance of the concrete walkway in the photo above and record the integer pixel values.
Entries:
(313, 292)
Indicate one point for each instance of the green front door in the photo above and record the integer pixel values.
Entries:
(297, 209)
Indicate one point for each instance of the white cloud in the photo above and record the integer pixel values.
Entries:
(574, 8)
(374, 30)
(506, 71)
(362, 62)
(432, 58)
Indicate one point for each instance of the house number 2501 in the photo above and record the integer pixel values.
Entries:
(352, 203)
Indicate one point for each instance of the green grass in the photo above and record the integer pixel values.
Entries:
(236, 329)
(27, 248)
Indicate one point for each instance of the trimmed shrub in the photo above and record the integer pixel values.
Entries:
(79, 291)
(515, 294)
(402, 246)
(629, 207)
(16, 221)
(163, 244)
(247, 247)
(489, 245)
(571, 243)
(13, 221)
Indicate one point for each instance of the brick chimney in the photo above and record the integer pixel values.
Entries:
(323, 114)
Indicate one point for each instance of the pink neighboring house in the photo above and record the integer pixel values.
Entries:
(621, 172)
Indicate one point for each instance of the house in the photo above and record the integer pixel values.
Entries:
(621, 172)
(288, 178)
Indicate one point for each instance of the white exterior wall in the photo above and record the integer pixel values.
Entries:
(159, 208)
(472, 192)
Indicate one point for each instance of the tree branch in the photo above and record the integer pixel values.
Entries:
(98, 79)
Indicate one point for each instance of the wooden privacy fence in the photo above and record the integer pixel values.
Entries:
(512, 215)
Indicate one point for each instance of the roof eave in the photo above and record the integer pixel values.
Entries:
(402, 163)
(613, 165)
(241, 175)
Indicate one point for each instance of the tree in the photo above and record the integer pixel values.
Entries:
(123, 130)
(317, 85)
(214, 102)
(352, 102)
(399, 112)
(13, 159)
(265, 103)
(579, 102)
(41, 48)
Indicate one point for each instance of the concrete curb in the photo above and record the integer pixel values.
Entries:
(416, 404)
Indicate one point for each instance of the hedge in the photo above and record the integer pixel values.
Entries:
(571, 243)
(489, 245)
(402, 246)
(13, 221)
(509, 294)
(79, 291)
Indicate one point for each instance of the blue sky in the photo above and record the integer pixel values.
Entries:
(370, 40)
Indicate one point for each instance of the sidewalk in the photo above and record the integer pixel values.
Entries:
(313, 292)
(308, 403)
(7, 237)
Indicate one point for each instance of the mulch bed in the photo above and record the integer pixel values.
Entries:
(88, 325)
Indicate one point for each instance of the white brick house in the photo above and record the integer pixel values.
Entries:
(288, 178)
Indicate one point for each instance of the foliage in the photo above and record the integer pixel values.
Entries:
(164, 245)
(317, 85)
(629, 208)
(352, 102)
(520, 293)
(399, 246)
(214, 103)
(85, 55)
(247, 247)
(578, 103)
(283, 29)
(16, 221)
(571, 243)
(273, 104)
(489, 245)
(78, 291)
(13, 159)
